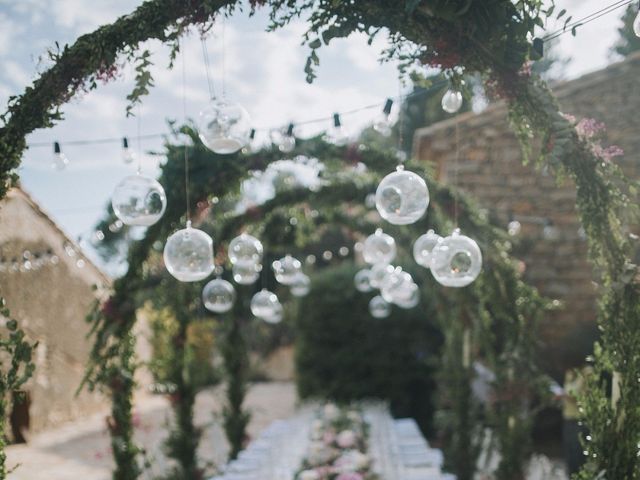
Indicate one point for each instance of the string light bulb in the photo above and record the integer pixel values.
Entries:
(336, 134)
(60, 160)
(288, 140)
(383, 123)
(452, 101)
(128, 155)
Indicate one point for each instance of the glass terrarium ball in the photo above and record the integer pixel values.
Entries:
(245, 249)
(278, 315)
(218, 296)
(423, 247)
(379, 274)
(452, 101)
(402, 197)
(188, 255)
(286, 269)
(379, 248)
(410, 297)
(224, 127)
(246, 274)
(362, 280)
(396, 285)
(139, 200)
(457, 260)
(265, 304)
(300, 286)
(379, 307)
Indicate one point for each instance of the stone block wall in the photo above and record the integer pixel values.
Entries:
(490, 168)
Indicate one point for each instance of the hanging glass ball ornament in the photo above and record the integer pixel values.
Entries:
(636, 25)
(379, 274)
(423, 247)
(246, 274)
(451, 101)
(379, 307)
(396, 285)
(379, 248)
(410, 297)
(245, 249)
(457, 260)
(224, 127)
(301, 285)
(402, 197)
(265, 304)
(277, 316)
(286, 269)
(362, 280)
(139, 200)
(218, 296)
(188, 254)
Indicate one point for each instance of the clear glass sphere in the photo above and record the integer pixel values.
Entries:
(636, 25)
(379, 248)
(457, 260)
(245, 249)
(379, 274)
(224, 127)
(139, 200)
(396, 285)
(60, 161)
(218, 296)
(188, 255)
(379, 307)
(265, 304)
(362, 280)
(277, 316)
(402, 197)
(300, 286)
(286, 269)
(246, 274)
(423, 247)
(451, 101)
(410, 297)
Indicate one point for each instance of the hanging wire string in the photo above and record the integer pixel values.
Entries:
(138, 129)
(587, 19)
(207, 67)
(401, 152)
(186, 144)
(224, 58)
(455, 171)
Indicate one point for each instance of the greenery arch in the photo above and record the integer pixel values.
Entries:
(499, 310)
(489, 37)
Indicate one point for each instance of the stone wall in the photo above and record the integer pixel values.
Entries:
(51, 304)
(490, 168)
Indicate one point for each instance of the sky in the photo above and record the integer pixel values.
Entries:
(263, 72)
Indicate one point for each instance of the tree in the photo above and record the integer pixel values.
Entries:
(628, 42)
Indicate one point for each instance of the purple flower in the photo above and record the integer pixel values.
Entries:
(588, 128)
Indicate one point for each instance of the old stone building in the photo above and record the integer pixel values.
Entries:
(550, 242)
(48, 285)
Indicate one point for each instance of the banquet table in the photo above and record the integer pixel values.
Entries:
(397, 448)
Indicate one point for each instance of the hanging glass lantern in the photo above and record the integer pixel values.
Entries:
(224, 127)
(139, 200)
(300, 286)
(218, 296)
(286, 269)
(188, 254)
(245, 250)
(456, 260)
(402, 197)
(423, 247)
(379, 307)
(379, 248)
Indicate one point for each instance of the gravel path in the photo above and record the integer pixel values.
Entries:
(80, 450)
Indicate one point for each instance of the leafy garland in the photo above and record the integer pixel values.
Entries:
(489, 37)
(18, 352)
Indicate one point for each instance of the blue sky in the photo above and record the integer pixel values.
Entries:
(264, 72)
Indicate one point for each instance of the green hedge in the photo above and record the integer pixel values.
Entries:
(344, 354)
